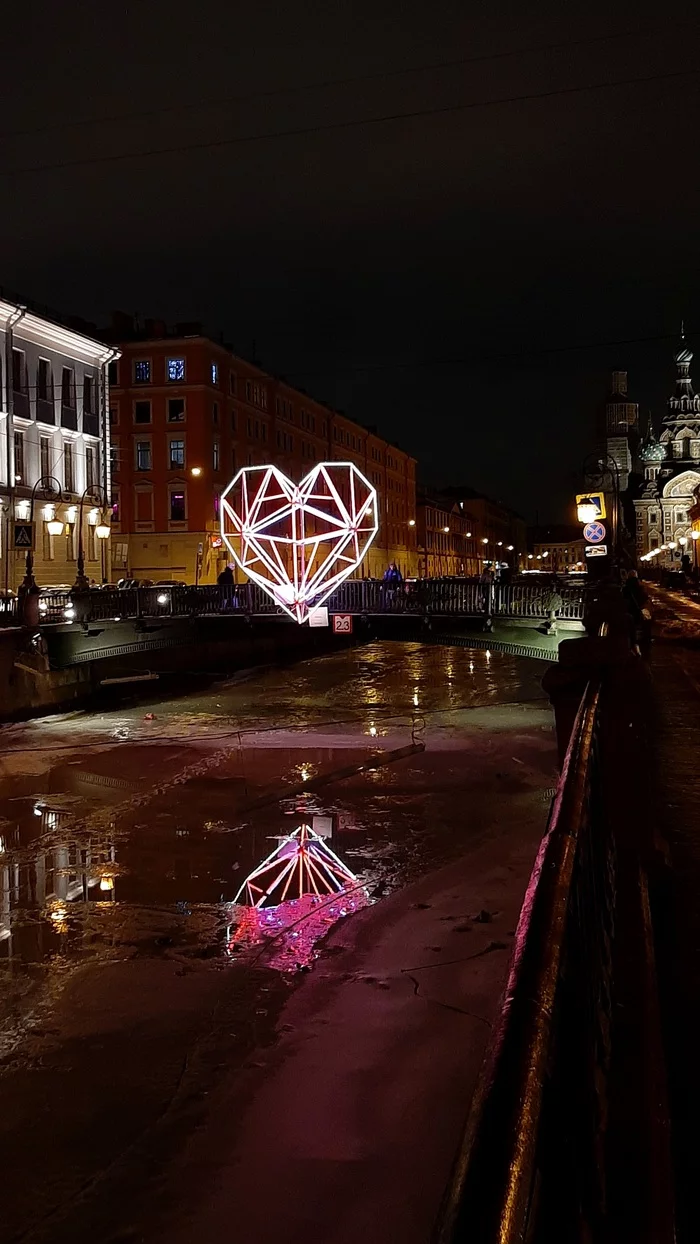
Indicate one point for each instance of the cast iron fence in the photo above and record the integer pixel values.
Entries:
(467, 598)
(532, 1163)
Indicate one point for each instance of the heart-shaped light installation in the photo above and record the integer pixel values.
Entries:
(299, 541)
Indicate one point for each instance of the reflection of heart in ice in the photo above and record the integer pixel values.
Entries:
(285, 937)
(303, 863)
(290, 900)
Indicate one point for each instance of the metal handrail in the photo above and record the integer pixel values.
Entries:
(468, 598)
(492, 1198)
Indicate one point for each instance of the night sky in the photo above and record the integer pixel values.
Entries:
(452, 277)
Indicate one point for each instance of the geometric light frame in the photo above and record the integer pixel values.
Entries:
(303, 863)
(299, 541)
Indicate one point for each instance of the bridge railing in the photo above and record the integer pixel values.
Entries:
(467, 598)
(8, 611)
(531, 1166)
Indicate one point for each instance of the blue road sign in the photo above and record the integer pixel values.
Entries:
(594, 533)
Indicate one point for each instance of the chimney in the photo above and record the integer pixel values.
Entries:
(619, 382)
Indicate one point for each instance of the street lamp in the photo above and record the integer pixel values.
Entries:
(52, 492)
(606, 463)
(587, 510)
(102, 531)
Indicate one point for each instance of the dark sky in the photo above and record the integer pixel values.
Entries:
(448, 277)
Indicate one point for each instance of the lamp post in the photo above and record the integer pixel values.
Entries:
(52, 494)
(606, 464)
(102, 531)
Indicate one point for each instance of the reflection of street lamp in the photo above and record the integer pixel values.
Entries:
(52, 492)
(102, 531)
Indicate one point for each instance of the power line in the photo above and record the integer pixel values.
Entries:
(329, 83)
(327, 127)
(459, 360)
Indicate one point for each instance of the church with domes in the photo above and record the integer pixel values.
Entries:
(671, 467)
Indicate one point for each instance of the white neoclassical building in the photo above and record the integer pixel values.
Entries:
(54, 389)
(671, 470)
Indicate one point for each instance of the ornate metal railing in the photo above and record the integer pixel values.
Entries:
(8, 611)
(532, 1163)
(467, 598)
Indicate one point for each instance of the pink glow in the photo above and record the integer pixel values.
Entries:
(286, 937)
(299, 541)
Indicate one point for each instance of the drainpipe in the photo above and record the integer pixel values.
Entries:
(17, 315)
(110, 356)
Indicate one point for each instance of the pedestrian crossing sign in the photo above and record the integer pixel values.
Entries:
(24, 536)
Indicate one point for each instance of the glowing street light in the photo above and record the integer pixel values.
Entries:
(587, 510)
(484, 540)
(411, 522)
(196, 471)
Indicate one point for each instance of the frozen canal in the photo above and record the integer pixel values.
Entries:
(138, 997)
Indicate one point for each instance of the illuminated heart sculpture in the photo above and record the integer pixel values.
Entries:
(299, 541)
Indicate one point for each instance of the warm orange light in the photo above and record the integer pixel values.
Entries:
(196, 471)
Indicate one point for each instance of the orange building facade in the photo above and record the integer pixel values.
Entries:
(185, 415)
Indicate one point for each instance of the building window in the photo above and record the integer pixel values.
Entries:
(175, 369)
(176, 410)
(19, 457)
(215, 414)
(113, 458)
(232, 382)
(143, 455)
(142, 412)
(215, 456)
(142, 371)
(68, 387)
(653, 517)
(114, 415)
(233, 421)
(247, 390)
(113, 372)
(177, 507)
(215, 373)
(19, 371)
(115, 506)
(88, 395)
(90, 466)
(177, 455)
(68, 472)
(45, 455)
(44, 380)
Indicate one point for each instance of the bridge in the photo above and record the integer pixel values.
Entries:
(455, 598)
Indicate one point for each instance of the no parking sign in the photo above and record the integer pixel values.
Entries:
(594, 532)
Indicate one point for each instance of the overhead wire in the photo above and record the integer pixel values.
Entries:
(331, 83)
(325, 127)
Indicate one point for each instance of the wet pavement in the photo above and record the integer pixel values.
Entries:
(136, 978)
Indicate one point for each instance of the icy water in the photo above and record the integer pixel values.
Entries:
(135, 829)
(135, 991)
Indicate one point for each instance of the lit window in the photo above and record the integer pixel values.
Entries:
(45, 455)
(68, 475)
(215, 456)
(90, 466)
(177, 454)
(176, 410)
(143, 455)
(142, 371)
(175, 369)
(215, 373)
(177, 507)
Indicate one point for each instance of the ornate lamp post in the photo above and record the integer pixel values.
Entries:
(606, 464)
(102, 530)
(52, 494)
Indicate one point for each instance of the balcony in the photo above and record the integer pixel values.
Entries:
(69, 418)
(45, 410)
